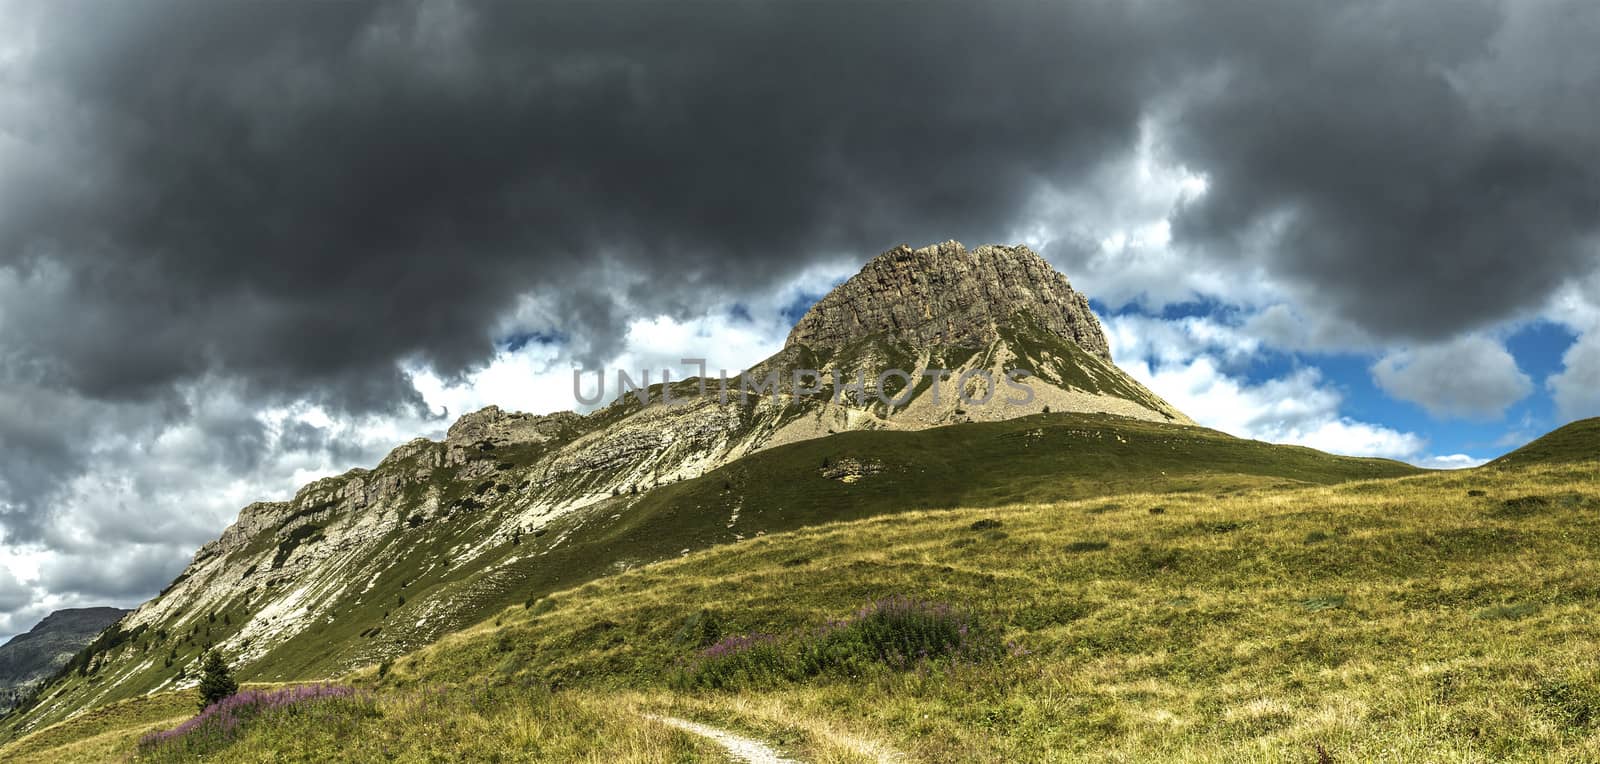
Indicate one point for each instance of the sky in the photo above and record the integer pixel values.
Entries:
(246, 245)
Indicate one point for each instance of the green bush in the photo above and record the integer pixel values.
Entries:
(895, 633)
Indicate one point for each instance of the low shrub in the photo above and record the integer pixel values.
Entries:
(1508, 612)
(1326, 602)
(895, 633)
(1521, 506)
(750, 659)
(701, 630)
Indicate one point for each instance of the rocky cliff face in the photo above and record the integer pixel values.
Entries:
(34, 656)
(947, 294)
(377, 562)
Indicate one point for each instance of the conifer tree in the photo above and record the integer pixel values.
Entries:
(215, 681)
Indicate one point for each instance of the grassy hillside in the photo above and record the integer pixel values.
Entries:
(1404, 619)
(1040, 458)
(1575, 442)
(1440, 617)
(843, 477)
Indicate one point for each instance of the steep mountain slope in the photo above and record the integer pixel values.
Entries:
(34, 656)
(374, 563)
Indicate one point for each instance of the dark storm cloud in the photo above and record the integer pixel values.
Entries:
(303, 195)
(130, 571)
(14, 595)
(1400, 161)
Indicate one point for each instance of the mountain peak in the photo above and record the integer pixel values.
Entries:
(946, 294)
(30, 657)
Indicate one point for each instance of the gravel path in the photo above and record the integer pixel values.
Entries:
(742, 748)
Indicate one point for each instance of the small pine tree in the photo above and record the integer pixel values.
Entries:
(215, 681)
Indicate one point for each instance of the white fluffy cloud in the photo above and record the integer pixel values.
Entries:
(1576, 388)
(1297, 409)
(1451, 462)
(1175, 341)
(1185, 362)
(538, 376)
(1471, 376)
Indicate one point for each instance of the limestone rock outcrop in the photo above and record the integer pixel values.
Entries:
(946, 294)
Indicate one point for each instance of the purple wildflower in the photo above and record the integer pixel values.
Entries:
(736, 644)
(218, 724)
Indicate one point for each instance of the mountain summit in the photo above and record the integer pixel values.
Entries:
(947, 294)
(983, 314)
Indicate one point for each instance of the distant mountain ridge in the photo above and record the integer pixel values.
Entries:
(373, 563)
(33, 656)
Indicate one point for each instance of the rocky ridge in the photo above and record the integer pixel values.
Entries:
(948, 295)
